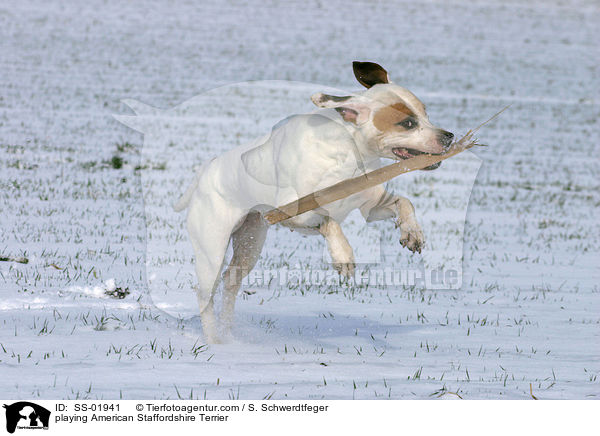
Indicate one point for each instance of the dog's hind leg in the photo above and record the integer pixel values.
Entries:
(247, 242)
(210, 232)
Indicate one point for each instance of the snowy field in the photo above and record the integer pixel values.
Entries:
(74, 180)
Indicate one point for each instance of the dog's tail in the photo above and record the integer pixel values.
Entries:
(184, 201)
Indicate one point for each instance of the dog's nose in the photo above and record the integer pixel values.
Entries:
(446, 138)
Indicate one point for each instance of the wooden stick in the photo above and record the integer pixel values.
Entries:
(348, 187)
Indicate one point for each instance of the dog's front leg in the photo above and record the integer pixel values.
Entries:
(411, 234)
(383, 205)
(339, 248)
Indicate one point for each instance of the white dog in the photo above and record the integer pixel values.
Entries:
(347, 137)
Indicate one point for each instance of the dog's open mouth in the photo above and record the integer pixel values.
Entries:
(407, 153)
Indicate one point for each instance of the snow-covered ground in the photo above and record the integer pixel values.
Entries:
(71, 201)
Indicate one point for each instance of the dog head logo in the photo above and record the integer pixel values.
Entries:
(26, 415)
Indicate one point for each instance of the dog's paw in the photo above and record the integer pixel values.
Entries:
(411, 236)
(345, 270)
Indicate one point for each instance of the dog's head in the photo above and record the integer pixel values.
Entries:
(391, 118)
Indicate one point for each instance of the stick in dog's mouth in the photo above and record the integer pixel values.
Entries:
(408, 153)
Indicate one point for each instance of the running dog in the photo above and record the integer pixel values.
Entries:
(347, 136)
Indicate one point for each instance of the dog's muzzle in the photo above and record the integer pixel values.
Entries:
(445, 139)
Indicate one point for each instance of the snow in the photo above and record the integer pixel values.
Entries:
(526, 312)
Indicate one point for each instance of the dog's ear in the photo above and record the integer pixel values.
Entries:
(349, 107)
(369, 73)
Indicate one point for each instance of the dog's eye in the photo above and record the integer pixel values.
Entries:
(408, 123)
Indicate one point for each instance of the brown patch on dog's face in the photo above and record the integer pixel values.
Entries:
(390, 117)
